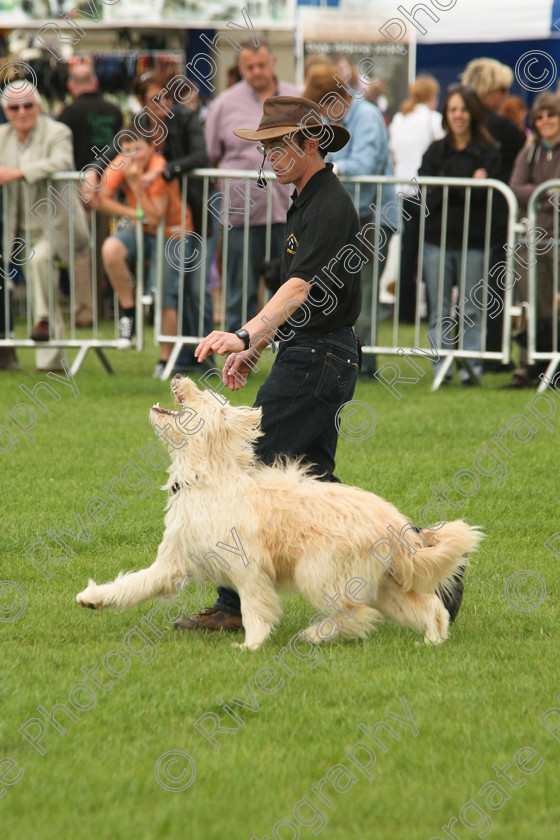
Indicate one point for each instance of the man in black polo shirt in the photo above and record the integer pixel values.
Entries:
(311, 314)
(94, 122)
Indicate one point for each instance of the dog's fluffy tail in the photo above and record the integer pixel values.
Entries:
(439, 555)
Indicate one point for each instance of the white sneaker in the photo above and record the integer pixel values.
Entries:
(127, 332)
(158, 372)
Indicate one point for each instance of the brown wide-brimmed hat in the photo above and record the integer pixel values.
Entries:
(284, 115)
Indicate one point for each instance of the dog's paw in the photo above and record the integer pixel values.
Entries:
(433, 640)
(90, 597)
(245, 646)
(312, 635)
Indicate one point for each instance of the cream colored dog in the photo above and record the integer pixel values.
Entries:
(296, 533)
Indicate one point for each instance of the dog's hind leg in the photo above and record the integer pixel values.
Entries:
(417, 610)
(355, 623)
(358, 625)
(260, 608)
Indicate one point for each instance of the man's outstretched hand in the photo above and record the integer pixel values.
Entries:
(219, 342)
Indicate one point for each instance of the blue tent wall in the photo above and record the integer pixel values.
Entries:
(447, 61)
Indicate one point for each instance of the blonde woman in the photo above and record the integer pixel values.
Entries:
(491, 80)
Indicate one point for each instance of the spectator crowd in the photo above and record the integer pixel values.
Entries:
(132, 177)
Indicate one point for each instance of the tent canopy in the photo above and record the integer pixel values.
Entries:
(465, 20)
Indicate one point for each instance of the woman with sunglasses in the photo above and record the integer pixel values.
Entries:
(465, 152)
(537, 162)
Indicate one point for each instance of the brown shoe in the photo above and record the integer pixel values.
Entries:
(40, 331)
(211, 619)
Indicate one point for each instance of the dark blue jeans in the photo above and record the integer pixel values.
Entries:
(313, 375)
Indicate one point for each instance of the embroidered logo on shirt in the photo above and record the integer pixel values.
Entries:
(291, 244)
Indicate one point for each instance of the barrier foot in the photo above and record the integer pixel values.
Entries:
(82, 353)
(79, 360)
(104, 360)
(440, 376)
(177, 347)
(549, 375)
(472, 375)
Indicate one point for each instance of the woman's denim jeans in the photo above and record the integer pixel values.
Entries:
(441, 331)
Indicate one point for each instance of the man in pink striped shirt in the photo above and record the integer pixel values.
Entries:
(242, 104)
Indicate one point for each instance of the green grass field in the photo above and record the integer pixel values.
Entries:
(475, 701)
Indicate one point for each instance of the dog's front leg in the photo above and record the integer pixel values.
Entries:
(135, 587)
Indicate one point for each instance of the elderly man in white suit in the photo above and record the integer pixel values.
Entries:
(32, 147)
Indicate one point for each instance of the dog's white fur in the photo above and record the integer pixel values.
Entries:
(297, 532)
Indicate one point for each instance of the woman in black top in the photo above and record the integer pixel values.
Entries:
(465, 152)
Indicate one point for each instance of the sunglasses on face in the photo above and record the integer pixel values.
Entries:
(27, 106)
(263, 149)
(548, 115)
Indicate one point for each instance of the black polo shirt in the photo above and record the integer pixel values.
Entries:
(321, 247)
(93, 122)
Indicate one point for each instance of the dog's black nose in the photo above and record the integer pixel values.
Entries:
(177, 376)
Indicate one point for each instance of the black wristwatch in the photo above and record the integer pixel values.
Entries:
(245, 337)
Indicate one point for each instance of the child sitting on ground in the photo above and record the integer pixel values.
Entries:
(146, 206)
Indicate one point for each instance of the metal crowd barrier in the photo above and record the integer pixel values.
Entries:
(221, 207)
(537, 247)
(220, 214)
(513, 229)
(375, 345)
(44, 209)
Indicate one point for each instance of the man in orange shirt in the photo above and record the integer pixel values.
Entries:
(146, 206)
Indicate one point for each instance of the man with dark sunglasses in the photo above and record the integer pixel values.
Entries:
(33, 147)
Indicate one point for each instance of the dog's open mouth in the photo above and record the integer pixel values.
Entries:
(157, 407)
(178, 397)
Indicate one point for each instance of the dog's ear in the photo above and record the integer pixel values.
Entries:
(241, 427)
(241, 417)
